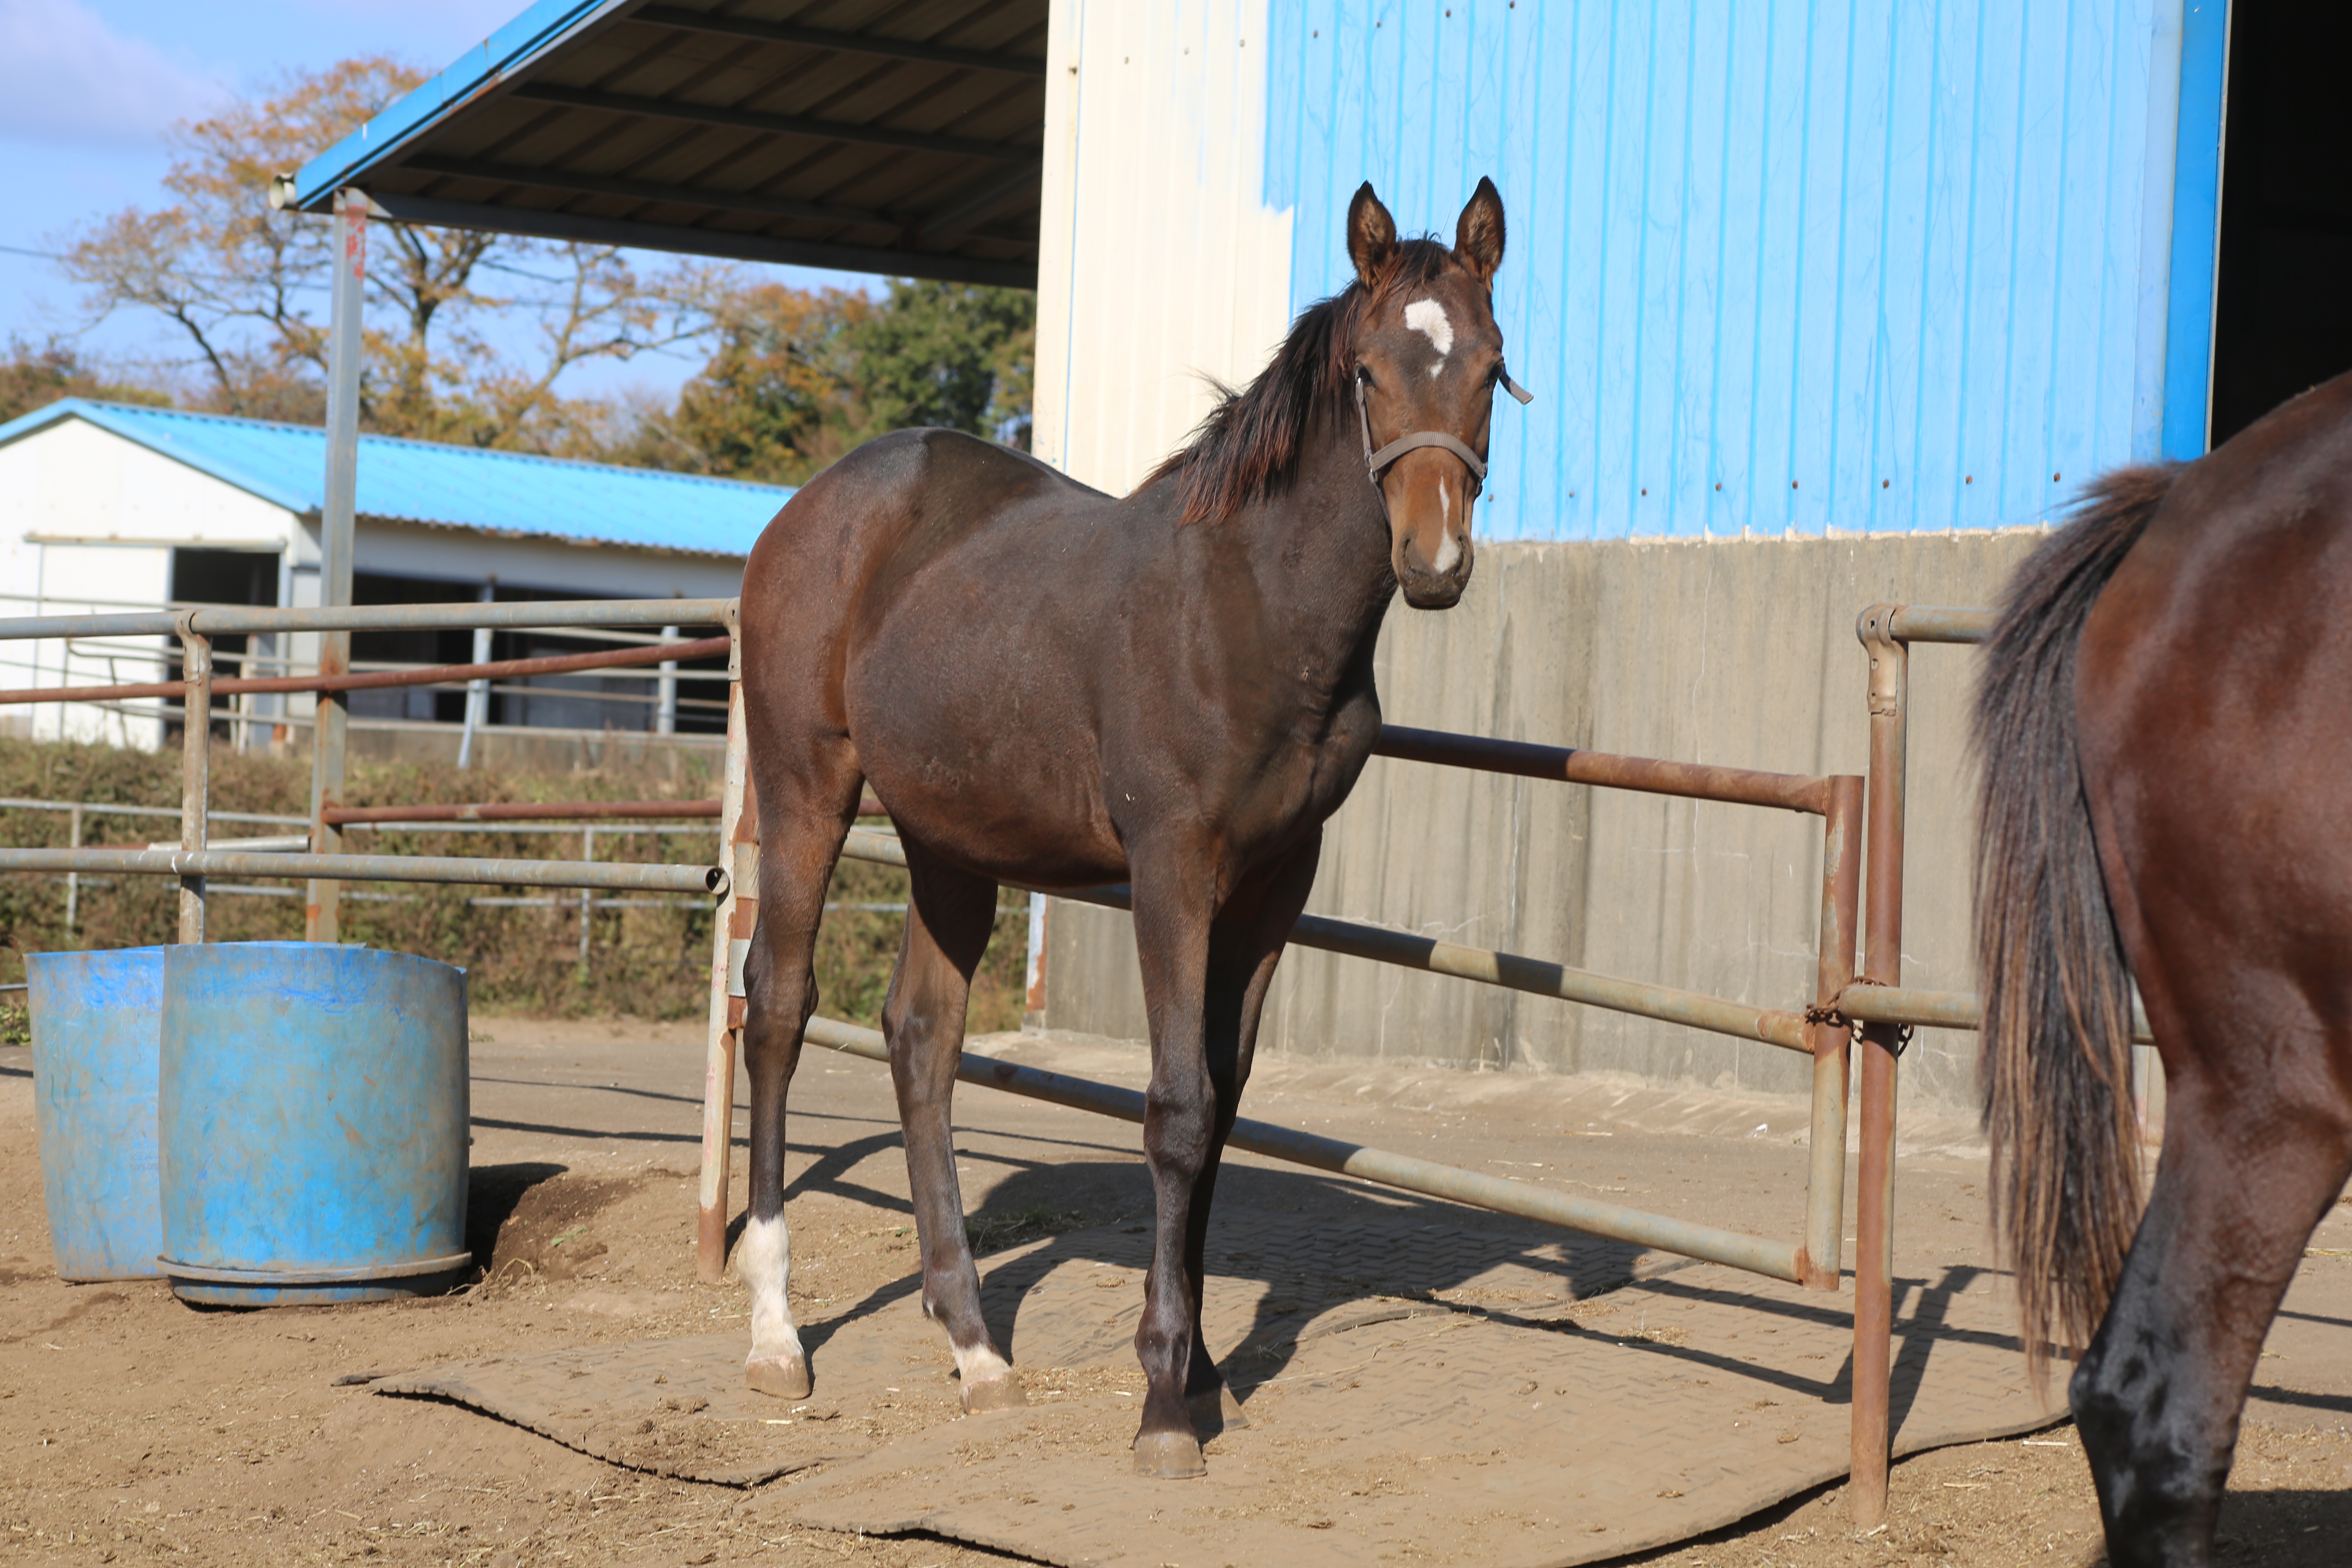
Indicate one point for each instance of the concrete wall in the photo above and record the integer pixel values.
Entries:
(1738, 652)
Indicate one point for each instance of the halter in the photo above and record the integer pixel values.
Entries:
(1377, 463)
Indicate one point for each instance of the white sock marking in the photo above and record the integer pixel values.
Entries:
(1428, 317)
(764, 1260)
(979, 1364)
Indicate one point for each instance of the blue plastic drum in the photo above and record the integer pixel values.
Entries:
(313, 1113)
(97, 1018)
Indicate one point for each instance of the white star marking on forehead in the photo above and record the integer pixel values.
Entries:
(1428, 317)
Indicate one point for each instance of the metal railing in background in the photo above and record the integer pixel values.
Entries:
(324, 867)
(267, 669)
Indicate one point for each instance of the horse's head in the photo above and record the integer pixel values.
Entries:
(1428, 357)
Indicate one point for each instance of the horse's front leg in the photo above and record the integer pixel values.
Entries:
(1244, 944)
(1173, 910)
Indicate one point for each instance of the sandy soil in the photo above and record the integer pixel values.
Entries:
(139, 1429)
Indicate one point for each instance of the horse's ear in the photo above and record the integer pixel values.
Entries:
(1372, 234)
(1478, 233)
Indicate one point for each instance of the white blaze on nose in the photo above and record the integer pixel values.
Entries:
(1449, 549)
(1447, 554)
(1428, 317)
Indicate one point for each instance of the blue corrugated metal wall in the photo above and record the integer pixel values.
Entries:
(1851, 264)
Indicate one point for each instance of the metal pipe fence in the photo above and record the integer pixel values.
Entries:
(1821, 1028)
(324, 867)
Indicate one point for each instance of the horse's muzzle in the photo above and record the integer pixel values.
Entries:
(1426, 588)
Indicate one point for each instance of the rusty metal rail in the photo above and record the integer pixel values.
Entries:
(544, 811)
(540, 615)
(377, 679)
(1511, 971)
(198, 863)
(1693, 781)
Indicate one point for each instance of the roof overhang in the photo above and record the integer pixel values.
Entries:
(891, 139)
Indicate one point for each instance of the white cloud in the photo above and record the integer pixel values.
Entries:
(68, 78)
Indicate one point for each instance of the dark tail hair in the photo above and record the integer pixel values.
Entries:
(2056, 1063)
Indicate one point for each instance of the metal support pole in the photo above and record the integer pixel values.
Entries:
(1827, 1033)
(1874, 1242)
(719, 1055)
(587, 897)
(196, 769)
(665, 691)
(73, 879)
(478, 691)
(1033, 1012)
(322, 918)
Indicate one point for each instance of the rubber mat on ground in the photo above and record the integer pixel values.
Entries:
(673, 1407)
(1433, 1392)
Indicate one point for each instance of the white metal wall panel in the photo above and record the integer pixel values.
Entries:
(1162, 265)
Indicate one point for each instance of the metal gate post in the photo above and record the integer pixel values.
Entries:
(1828, 1036)
(1874, 1242)
(196, 765)
(719, 1053)
(322, 916)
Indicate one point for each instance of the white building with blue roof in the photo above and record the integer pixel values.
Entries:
(109, 506)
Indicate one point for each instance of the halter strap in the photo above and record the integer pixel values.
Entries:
(1378, 462)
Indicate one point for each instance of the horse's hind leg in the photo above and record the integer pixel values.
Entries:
(949, 916)
(803, 817)
(2251, 1163)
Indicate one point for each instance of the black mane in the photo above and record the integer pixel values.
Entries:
(1244, 450)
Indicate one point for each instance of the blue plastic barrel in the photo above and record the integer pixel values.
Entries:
(313, 1117)
(96, 1020)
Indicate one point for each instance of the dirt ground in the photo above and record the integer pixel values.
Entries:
(139, 1429)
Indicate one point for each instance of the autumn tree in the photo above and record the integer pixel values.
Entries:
(800, 377)
(33, 375)
(244, 287)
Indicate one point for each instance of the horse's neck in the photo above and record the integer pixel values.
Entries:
(1322, 548)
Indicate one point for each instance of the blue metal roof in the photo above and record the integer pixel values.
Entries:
(448, 487)
(541, 28)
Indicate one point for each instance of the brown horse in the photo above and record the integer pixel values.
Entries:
(2166, 738)
(1051, 688)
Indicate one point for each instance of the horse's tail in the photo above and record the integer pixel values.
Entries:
(2056, 1064)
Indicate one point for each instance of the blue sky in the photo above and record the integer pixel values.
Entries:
(89, 88)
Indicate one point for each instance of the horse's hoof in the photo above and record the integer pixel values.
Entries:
(779, 1377)
(1004, 1392)
(1215, 1412)
(1170, 1457)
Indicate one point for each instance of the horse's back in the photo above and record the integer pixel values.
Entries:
(935, 600)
